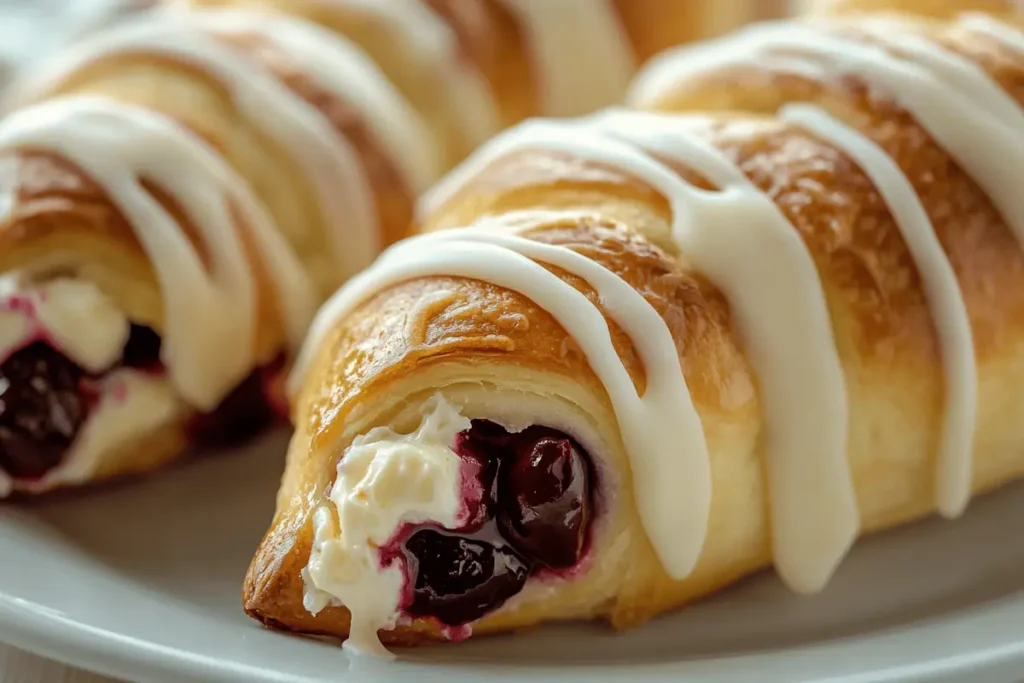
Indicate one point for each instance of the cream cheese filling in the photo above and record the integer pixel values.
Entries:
(385, 480)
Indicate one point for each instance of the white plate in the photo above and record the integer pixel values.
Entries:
(142, 581)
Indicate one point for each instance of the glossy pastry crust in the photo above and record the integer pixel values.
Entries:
(491, 39)
(430, 332)
(393, 197)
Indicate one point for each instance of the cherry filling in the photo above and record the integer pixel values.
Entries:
(543, 495)
(459, 579)
(44, 401)
(530, 501)
(46, 398)
(245, 413)
(142, 351)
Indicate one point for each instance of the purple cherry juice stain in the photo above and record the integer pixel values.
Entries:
(23, 304)
(46, 398)
(245, 413)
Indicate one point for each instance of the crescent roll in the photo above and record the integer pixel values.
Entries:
(178, 195)
(636, 356)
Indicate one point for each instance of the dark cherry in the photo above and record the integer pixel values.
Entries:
(142, 351)
(244, 413)
(482, 447)
(458, 579)
(42, 407)
(533, 514)
(544, 496)
(484, 437)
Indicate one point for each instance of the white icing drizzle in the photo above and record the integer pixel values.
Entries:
(328, 161)
(1005, 34)
(210, 315)
(957, 102)
(341, 67)
(673, 490)
(740, 240)
(965, 111)
(425, 33)
(946, 303)
(565, 137)
(580, 51)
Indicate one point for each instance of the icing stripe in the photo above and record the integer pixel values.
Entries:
(341, 67)
(978, 126)
(555, 136)
(210, 317)
(426, 34)
(942, 291)
(328, 161)
(1005, 34)
(580, 52)
(737, 237)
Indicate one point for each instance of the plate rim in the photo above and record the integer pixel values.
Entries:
(47, 633)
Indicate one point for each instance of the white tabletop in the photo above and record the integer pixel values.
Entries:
(17, 666)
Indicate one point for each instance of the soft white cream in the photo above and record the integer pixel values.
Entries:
(384, 480)
(83, 322)
(210, 314)
(74, 315)
(580, 52)
(79, 320)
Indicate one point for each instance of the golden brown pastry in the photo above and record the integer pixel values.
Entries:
(637, 356)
